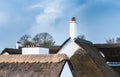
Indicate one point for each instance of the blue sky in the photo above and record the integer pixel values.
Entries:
(96, 19)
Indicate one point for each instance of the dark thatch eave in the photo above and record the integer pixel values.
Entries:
(53, 49)
(111, 51)
(107, 45)
(12, 51)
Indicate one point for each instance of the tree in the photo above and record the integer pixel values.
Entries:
(118, 40)
(110, 41)
(25, 40)
(81, 36)
(43, 39)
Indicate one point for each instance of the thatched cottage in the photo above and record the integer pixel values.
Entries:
(86, 59)
(75, 58)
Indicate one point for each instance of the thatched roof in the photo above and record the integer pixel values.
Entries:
(87, 62)
(12, 51)
(107, 45)
(32, 65)
(111, 51)
(52, 50)
(33, 58)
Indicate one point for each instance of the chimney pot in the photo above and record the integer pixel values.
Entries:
(73, 19)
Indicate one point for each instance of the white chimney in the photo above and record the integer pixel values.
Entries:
(18, 44)
(35, 50)
(73, 28)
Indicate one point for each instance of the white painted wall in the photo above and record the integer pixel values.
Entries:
(69, 48)
(73, 29)
(113, 63)
(35, 50)
(18, 44)
(66, 71)
(6, 53)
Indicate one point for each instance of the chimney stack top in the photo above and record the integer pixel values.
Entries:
(73, 19)
(18, 45)
(18, 42)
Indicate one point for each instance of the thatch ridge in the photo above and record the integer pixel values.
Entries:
(50, 58)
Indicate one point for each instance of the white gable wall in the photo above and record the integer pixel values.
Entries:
(113, 63)
(6, 53)
(35, 50)
(69, 48)
(66, 71)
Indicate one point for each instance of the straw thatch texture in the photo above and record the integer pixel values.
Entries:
(87, 62)
(31, 65)
(33, 58)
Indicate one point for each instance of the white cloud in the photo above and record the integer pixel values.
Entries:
(45, 21)
(35, 6)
